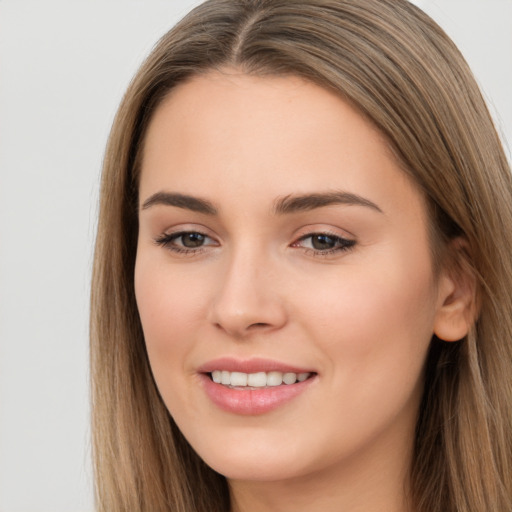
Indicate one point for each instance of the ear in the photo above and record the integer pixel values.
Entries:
(457, 295)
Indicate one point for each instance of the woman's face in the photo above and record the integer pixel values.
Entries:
(279, 239)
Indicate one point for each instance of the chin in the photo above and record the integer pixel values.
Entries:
(246, 456)
(254, 470)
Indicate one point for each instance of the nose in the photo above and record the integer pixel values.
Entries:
(248, 299)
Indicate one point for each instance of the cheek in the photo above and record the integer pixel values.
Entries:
(169, 307)
(376, 318)
(374, 329)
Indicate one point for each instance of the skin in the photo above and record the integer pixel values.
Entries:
(361, 318)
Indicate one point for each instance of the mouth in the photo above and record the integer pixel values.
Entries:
(255, 386)
(257, 380)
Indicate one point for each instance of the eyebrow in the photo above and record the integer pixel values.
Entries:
(192, 203)
(282, 206)
(306, 202)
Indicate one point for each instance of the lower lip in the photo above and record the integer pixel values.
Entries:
(252, 401)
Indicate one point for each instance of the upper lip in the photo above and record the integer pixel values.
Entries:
(253, 365)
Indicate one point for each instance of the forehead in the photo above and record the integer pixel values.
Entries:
(226, 132)
(234, 103)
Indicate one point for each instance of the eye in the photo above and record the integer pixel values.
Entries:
(324, 243)
(190, 240)
(185, 241)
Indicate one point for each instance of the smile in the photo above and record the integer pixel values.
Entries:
(257, 380)
(255, 386)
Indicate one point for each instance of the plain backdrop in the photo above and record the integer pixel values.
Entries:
(63, 68)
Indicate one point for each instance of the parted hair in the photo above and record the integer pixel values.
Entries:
(400, 70)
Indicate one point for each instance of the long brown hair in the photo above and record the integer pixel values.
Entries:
(394, 64)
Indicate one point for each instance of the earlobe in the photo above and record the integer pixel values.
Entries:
(457, 309)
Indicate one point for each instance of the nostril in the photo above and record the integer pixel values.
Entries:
(258, 324)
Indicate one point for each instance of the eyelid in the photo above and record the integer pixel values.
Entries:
(324, 227)
(342, 242)
(324, 233)
(179, 234)
(186, 227)
(317, 229)
(167, 239)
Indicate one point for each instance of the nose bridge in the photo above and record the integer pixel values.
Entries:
(247, 297)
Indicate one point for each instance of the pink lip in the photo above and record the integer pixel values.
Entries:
(253, 365)
(251, 401)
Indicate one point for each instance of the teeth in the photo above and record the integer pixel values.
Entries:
(256, 380)
(274, 378)
(238, 379)
(289, 378)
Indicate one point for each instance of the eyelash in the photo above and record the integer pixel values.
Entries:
(166, 241)
(342, 244)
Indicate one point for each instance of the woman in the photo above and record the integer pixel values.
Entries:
(301, 283)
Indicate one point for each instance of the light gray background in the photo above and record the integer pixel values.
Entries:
(63, 68)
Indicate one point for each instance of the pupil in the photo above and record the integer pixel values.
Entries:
(192, 240)
(323, 242)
